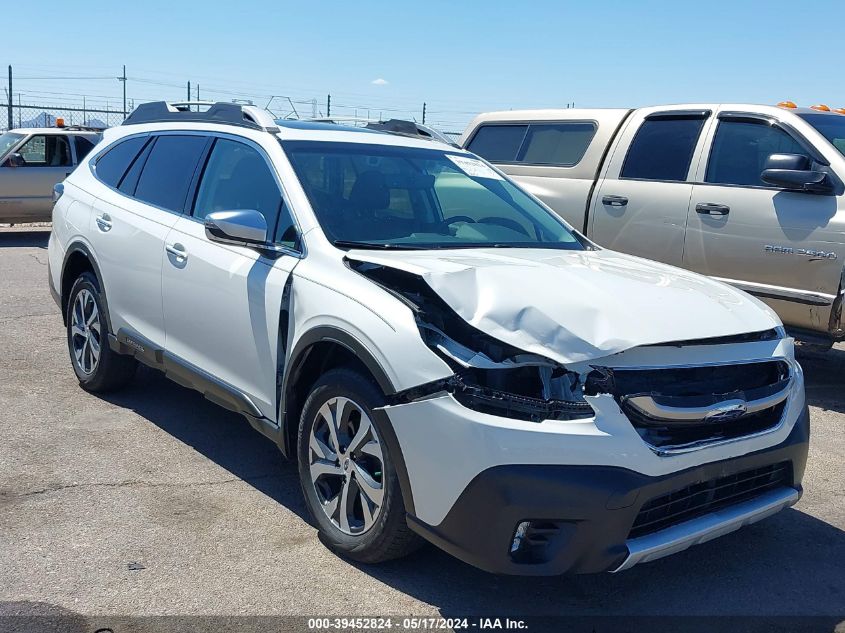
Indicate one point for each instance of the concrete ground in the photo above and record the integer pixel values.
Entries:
(154, 501)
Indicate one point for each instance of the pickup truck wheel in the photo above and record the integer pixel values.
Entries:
(97, 367)
(347, 473)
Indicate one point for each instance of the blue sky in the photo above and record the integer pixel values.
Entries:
(459, 57)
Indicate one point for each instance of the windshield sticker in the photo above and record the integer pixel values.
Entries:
(473, 167)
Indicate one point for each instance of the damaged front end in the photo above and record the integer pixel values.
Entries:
(490, 376)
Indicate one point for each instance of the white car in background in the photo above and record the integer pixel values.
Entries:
(441, 354)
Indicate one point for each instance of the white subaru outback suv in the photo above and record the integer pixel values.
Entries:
(440, 353)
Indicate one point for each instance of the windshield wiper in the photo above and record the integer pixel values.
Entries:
(377, 245)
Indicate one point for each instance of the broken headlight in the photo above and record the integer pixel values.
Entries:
(490, 375)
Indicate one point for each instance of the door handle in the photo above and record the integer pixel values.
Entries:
(711, 208)
(615, 201)
(177, 250)
(104, 222)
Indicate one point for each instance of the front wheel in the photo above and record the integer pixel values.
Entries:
(347, 472)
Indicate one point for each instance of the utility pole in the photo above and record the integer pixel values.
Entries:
(84, 114)
(122, 79)
(198, 92)
(9, 99)
(328, 106)
(20, 123)
(423, 112)
(189, 91)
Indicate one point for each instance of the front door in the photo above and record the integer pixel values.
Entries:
(641, 204)
(222, 302)
(773, 243)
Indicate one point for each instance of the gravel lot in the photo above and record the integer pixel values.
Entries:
(154, 501)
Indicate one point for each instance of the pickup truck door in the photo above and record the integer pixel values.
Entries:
(640, 204)
(26, 192)
(782, 246)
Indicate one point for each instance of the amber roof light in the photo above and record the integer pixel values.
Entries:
(787, 104)
(821, 108)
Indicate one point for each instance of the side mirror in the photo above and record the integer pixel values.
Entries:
(244, 228)
(14, 160)
(792, 172)
(240, 228)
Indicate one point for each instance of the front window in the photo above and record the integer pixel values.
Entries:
(8, 141)
(380, 196)
(831, 126)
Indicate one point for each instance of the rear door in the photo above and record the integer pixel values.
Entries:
(222, 302)
(148, 179)
(27, 191)
(779, 245)
(640, 205)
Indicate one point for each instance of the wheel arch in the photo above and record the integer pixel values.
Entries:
(317, 351)
(78, 259)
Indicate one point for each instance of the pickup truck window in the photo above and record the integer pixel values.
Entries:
(498, 143)
(46, 150)
(831, 126)
(740, 150)
(662, 149)
(557, 144)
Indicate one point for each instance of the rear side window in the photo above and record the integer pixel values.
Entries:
(169, 170)
(111, 166)
(662, 149)
(740, 150)
(558, 144)
(83, 147)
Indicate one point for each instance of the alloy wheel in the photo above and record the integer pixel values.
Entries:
(347, 465)
(86, 332)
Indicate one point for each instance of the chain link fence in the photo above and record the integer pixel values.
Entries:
(34, 115)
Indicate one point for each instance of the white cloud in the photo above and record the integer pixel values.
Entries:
(379, 82)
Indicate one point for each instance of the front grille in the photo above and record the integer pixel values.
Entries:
(680, 408)
(708, 496)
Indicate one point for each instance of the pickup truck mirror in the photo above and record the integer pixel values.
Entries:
(798, 162)
(792, 172)
(14, 160)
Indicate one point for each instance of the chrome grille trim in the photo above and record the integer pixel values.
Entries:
(781, 398)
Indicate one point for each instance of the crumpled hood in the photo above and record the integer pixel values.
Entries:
(574, 306)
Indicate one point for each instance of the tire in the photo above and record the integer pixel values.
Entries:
(98, 368)
(362, 464)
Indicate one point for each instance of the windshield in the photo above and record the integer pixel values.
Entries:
(8, 141)
(831, 126)
(380, 196)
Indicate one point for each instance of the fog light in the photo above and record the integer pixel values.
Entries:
(519, 535)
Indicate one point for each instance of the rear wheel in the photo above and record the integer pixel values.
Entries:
(347, 471)
(97, 367)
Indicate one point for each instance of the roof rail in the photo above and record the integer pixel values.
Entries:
(219, 112)
(409, 128)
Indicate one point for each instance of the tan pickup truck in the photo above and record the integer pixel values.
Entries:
(32, 161)
(750, 195)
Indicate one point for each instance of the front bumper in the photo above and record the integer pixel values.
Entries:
(594, 508)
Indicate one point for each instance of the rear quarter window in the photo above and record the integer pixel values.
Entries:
(111, 166)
